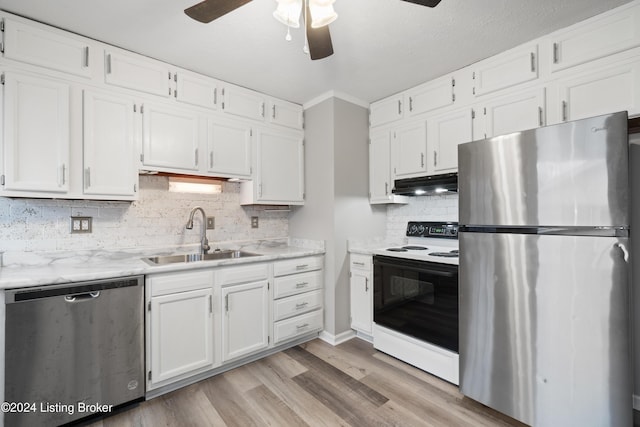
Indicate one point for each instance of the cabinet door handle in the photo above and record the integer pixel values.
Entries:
(211, 159)
(410, 104)
(555, 53)
(533, 62)
(226, 303)
(301, 266)
(399, 107)
(63, 170)
(210, 304)
(386, 188)
(421, 160)
(215, 96)
(564, 111)
(87, 178)
(301, 285)
(196, 156)
(302, 305)
(262, 110)
(358, 263)
(304, 325)
(435, 158)
(259, 190)
(86, 57)
(109, 64)
(540, 118)
(366, 284)
(273, 112)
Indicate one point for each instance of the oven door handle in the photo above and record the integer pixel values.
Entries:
(424, 270)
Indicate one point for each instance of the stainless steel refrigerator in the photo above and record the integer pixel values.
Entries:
(544, 273)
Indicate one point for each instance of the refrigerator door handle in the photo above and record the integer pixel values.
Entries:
(625, 251)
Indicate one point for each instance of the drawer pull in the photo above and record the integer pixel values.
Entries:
(302, 266)
(301, 285)
(358, 263)
(306, 325)
(301, 305)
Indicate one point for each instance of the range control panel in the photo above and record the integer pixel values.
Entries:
(443, 230)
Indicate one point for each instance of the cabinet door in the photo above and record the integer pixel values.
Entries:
(431, 95)
(36, 134)
(409, 150)
(108, 145)
(181, 333)
(600, 36)
(197, 90)
(380, 183)
(508, 69)
(246, 319)
(229, 148)
(445, 133)
(285, 114)
(517, 112)
(170, 137)
(280, 167)
(361, 301)
(46, 48)
(610, 89)
(386, 111)
(243, 102)
(137, 72)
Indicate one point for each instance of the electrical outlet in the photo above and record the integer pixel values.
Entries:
(254, 222)
(211, 222)
(81, 224)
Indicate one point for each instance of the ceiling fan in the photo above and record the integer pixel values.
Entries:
(317, 30)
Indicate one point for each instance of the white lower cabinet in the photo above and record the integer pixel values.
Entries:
(297, 298)
(245, 305)
(180, 326)
(361, 284)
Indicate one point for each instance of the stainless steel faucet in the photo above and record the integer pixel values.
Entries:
(204, 243)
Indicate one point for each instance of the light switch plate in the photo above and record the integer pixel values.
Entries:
(81, 224)
(254, 222)
(211, 222)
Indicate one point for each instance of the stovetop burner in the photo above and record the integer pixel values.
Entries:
(397, 250)
(415, 248)
(450, 254)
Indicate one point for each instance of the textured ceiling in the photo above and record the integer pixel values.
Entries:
(381, 46)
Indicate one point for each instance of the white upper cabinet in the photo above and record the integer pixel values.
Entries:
(386, 110)
(511, 113)
(243, 102)
(229, 148)
(137, 72)
(600, 36)
(409, 150)
(508, 69)
(35, 134)
(599, 91)
(430, 96)
(195, 89)
(285, 114)
(445, 133)
(48, 48)
(170, 138)
(108, 145)
(380, 183)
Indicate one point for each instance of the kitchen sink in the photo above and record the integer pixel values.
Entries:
(172, 259)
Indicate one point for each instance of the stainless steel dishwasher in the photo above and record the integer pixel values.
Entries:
(73, 350)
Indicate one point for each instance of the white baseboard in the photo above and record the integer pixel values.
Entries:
(636, 402)
(337, 339)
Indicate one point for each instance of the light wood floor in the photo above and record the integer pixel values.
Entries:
(315, 384)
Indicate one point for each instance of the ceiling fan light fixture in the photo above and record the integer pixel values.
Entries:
(288, 12)
(322, 12)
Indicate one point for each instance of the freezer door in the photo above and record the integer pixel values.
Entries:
(568, 175)
(544, 327)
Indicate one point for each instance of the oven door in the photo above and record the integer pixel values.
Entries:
(417, 298)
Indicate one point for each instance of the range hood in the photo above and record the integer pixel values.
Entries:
(427, 185)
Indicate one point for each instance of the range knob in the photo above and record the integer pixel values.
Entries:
(413, 229)
(421, 229)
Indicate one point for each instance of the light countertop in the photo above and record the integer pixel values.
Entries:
(55, 268)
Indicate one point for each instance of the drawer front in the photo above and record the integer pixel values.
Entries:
(361, 262)
(242, 274)
(296, 326)
(297, 265)
(296, 284)
(297, 304)
(168, 283)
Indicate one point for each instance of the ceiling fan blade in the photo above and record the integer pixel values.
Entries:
(208, 10)
(428, 3)
(319, 39)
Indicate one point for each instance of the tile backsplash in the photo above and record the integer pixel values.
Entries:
(422, 208)
(158, 218)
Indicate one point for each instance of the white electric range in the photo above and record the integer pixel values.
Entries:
(416, 299)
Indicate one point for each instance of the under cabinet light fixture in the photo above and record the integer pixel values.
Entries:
(194, 185)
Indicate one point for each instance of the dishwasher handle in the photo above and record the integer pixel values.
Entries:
(82, 297)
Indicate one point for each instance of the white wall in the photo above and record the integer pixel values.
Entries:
(158, 218)
(422, 208)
